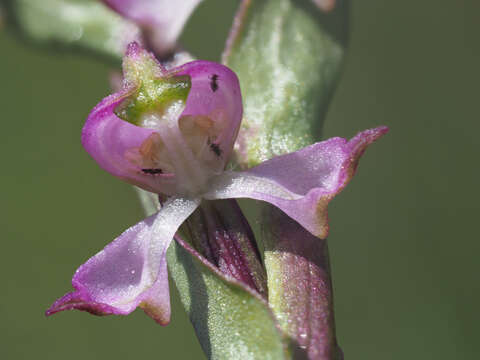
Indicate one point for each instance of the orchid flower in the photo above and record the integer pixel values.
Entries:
(162, 20)
(171, 132)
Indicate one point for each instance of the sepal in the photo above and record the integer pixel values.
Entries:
(131, 271)
(301, 183)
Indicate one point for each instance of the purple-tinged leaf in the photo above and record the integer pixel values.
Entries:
(221, 233)
(300, 289)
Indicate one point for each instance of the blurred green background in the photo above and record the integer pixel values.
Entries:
(404, 236)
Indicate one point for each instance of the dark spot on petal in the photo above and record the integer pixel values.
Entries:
(152, 171)
(216, 149)
(214, 82)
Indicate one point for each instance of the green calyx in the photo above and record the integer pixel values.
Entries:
(153, 95)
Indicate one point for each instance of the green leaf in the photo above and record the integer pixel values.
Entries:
(231, 321)
(287, 55)
(86, 25)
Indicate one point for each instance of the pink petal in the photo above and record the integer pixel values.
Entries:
(107, 138)
(302, 183)
(163, 19)
(131, 271)
(215, 92)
